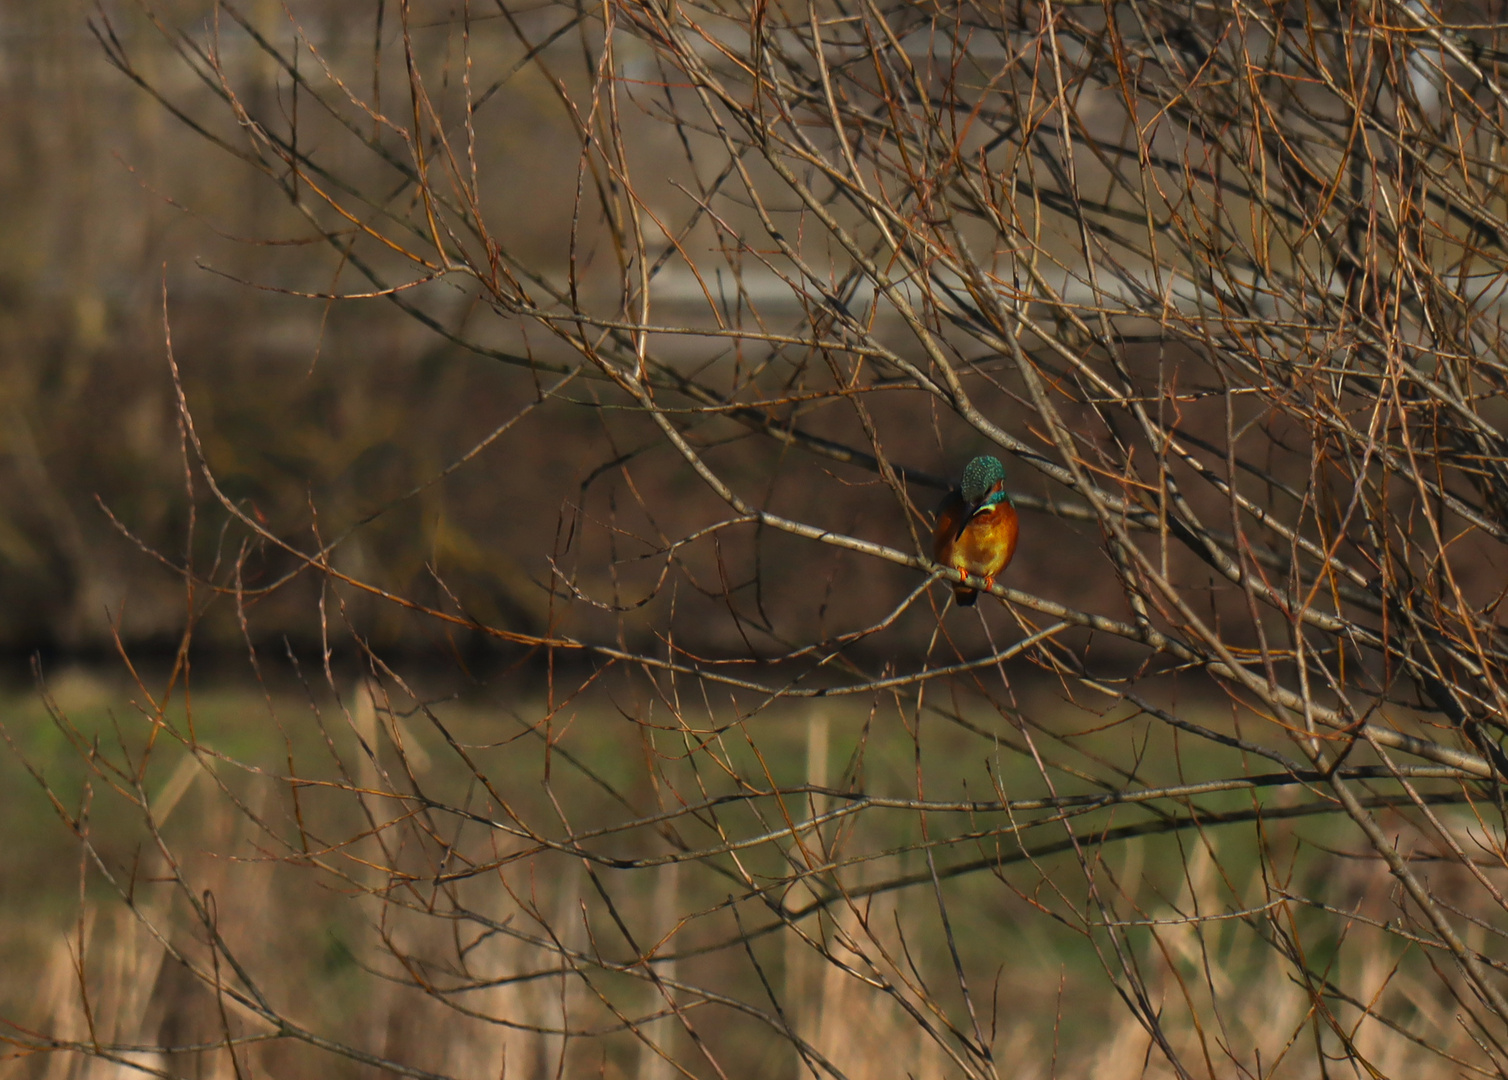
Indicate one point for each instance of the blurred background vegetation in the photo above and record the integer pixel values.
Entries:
(108, 205)
(106, 202)
(127, 236)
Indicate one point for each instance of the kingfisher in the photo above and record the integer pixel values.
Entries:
(976, 527)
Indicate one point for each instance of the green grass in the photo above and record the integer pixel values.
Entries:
(616, 755)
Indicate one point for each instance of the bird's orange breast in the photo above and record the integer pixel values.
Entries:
(988, 541)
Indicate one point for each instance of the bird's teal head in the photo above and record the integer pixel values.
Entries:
(979, 477)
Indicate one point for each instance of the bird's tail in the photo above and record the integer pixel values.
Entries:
(964, 596)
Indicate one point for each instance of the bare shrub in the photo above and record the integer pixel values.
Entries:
(1211, 786)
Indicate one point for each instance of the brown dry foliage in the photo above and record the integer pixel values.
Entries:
(1220, 284)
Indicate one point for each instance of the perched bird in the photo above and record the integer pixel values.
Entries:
(976, 526)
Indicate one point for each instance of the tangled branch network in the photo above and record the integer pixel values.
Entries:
(1213, 765)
